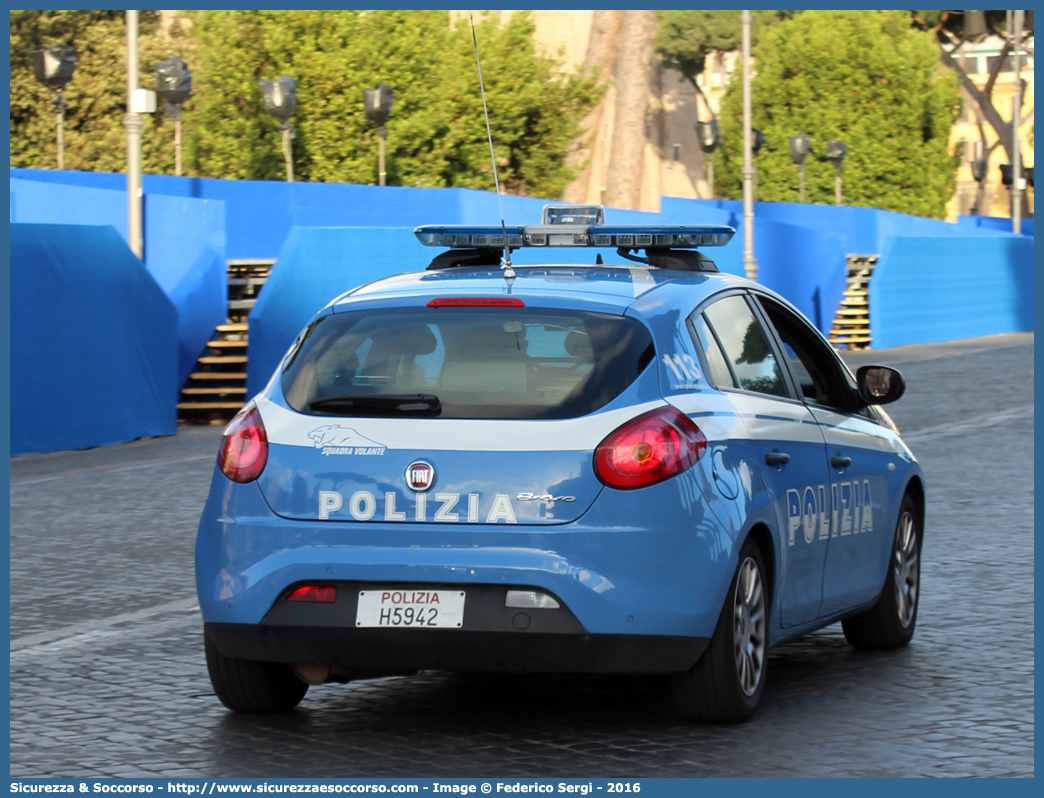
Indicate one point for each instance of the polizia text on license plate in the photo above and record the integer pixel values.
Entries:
(411, 608)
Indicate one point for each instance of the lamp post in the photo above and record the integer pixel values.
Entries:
(53, 68)
(710, 138)
(1016, 156)
(979, 169)
(139, 101)
(836, 151)
(280, 103)
(378, 104)
(750, 265)
(757, 142)
(174, 85)
(800, 146)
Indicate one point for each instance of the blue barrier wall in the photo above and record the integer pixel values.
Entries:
(260, 213)
(943, 289)
(185, 252)
(93, 342)
(42, 202)
(1001, 223)
(184, 246)
(863, 230)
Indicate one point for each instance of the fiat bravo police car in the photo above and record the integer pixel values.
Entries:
(647, 468)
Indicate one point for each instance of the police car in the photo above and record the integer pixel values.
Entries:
(651, 468)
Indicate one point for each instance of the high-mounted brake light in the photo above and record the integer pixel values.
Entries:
(477, 302)
(320, 594)
(244, 447)
(649, 449)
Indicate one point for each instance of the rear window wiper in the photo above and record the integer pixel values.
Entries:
(388, 403)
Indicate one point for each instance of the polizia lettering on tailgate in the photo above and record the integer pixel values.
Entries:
(443, 507)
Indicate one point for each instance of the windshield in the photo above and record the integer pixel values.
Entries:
(506, 363)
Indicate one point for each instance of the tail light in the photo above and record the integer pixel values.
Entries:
(649, 449)
(244, 448)
(319, 594)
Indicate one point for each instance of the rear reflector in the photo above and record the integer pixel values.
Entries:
(477, 302)
(530, 600)
(320, 594)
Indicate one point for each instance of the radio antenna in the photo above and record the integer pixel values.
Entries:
(509, 273)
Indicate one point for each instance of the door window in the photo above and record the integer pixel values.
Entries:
(746, 346)
(820, 377)
(717, 368)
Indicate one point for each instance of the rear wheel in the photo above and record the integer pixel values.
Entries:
(726, 684)
(890, 622)
(252, 687)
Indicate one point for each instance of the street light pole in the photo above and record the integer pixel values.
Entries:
(53, 68)
(382, 134)
(707, 132)
(280, 97)
(59, 118)
(799, 149)
(750, 265)
(377, 104)
(174, 85)
(133, 122)
(177, 145)
(288, 156)
(836, 151)
(1016, 155)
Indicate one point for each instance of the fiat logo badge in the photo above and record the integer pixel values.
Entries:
(420, 475)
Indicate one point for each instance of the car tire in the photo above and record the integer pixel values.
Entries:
(256, 688)
(890, 622)
(726, 683)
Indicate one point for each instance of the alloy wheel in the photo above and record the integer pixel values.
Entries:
(906, 570)
(749, 626)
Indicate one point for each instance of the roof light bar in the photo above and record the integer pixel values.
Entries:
(570, 235)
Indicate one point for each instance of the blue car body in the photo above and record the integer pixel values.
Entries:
(640, 575)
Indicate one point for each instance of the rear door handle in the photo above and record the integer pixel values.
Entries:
(777, 458)
(840, 462)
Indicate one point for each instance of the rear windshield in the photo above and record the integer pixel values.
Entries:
(507, 363)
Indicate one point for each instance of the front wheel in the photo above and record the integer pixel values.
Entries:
(258, 688)
(726, 684)
(890, 622)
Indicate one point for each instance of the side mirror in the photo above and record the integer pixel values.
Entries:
(879, 385)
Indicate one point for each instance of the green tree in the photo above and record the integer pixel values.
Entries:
(948, 27)
(97, 96)
(686, 37)
(436, 132)
(866, 78)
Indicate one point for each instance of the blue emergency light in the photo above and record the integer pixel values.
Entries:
(632, 236)
(561, 233)
(665, 246)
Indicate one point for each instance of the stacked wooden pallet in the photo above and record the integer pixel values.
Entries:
(851, 327)
(216, 389)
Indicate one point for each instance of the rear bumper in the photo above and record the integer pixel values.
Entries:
(408, 650)
(665, 575)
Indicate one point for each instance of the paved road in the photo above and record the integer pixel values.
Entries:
(108, 679)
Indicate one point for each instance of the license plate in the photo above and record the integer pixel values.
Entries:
(412, 609)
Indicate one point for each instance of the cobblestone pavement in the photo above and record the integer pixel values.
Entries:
(108, 678)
